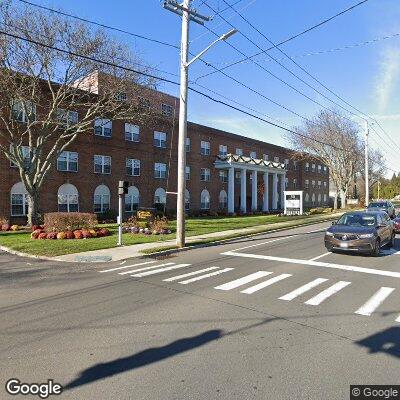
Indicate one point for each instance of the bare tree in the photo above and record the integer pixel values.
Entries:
(48, 97)
(334, 140)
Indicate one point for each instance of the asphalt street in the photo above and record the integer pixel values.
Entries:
(269, 317)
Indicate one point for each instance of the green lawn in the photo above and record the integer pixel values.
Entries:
(21, 241)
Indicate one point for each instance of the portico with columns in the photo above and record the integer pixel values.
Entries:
(271, 174)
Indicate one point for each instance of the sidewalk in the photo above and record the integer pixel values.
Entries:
(124, 252)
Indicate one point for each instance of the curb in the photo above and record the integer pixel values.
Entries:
(27, 255)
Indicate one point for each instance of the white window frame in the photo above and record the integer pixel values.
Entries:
(276, 159)
(105, 199)
(203, 204)
(223, 150)
(160, 139)
(167, 110)
(223, 175)
(160, 170)
(238, 151)
(205, 174)
(187, 172)
(306, 183)
(67, 117)
(103, 164)
(68, 155)
(71, 199)
(187, 145)
(205, 148)
(129, 197)
(23, 194)
(253, 154)
(22, 109)
(223, 204)
(26, 155)
(133, 165)
(103, 127)
(132, 132)
(265, 157)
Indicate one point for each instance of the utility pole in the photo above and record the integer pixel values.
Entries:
(379, 190)
(366, 165)
(187, 15)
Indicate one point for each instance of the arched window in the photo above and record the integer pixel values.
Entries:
(101, 199)
(307, 198)
(132, 199)
(19, 200)
(313, 198)
(68, 198)
(205, 200)
(319, 198)
(187, 200)
(160, 196)
(223, 199)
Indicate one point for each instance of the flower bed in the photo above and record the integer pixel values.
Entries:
(158, 226)
(65, 235)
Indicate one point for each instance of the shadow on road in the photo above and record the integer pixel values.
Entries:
(387, 341)
(143, 358)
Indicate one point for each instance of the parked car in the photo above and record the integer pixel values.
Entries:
(386, 206)
(396, 223)
(361, 231)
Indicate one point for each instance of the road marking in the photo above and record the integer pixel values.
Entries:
(128, 266)
(160, 270)
(322, 255)
(303, 289)
(242, 281)
(198, 278)
(319, 298)
(266, 283)
(145, 269)
(316, 264)
(176, 278)
(374, 302)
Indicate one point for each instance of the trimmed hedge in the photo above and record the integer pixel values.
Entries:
(63, 221)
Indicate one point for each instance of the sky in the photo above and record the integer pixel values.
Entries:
(365, 76)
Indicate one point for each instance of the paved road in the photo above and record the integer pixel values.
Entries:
(271, 317)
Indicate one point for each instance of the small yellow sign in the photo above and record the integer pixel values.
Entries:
(145, 214)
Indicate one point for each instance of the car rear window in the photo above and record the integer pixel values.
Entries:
(357, 220)
(377, 205)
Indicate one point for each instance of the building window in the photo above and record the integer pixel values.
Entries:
(132, 199)
(286, 163)
(187, 145)
(67, 161)
(23, 111)
(294, 183)
(160, 139)
(286, 182)
(307, 198)
(144, 103)
(205, 174)
(319, 184)
(19, 200)
(223, 150)
(239, 152)
(132, 133)
(205, 148)
(313, 184)
(313, 198)
(160, 197)
(313, 167)
(253, 154)
(307, 183)
(223, 199)
(319, 198)
(307, 167)
(319, 169)
(121, 97)
(205, 200)
(102, 164)
(132, 167)
(325, 198)
(223, 176)
(295, 165)
(325, 169)
(187, 200)
(26, 155)
(67, 118)
(265, 157)
(187, 172)
(276, 159)
(325, 184)
(68, 198)
(101, 201)
(160, 170)
(103, 127)
(167, 110)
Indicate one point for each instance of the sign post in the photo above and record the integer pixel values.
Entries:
(122, 191)
(293, 202)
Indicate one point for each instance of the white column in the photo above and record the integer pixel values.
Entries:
(274, 191)
(243, 194)
(254, 190)
(266, 191)
(283, 188)
(231, 190)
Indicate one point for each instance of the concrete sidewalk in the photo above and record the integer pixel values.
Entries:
(124, 252)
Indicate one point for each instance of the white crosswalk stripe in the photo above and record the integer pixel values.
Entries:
(146, 268)
(303, 289)
(320, 297)
(176, 278)
(375, 301)
(160, 270)
(242, 281)
(128, 266)
(266, 283)
(198, 278)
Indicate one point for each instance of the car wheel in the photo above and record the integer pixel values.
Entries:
(377, 249)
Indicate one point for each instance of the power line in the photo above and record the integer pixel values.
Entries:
(290, 38)
(164, 80)
(101, 25)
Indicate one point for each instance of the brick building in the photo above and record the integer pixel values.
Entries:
(221, 169)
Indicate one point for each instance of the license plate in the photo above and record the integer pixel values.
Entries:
(344, 245)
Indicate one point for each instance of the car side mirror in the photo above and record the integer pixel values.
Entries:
(334, 222)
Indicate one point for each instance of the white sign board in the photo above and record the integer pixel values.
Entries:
(293, 202)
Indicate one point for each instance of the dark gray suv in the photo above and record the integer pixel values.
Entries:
(386, 206)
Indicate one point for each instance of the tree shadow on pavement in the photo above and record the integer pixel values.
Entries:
(387, 341)
(143, 358)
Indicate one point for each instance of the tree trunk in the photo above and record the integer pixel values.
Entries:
(343, 199)
(335, 205)
(34, 217)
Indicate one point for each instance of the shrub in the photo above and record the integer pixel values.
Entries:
(93, 233)
(35, 234)
(61, 235)
(108, 216)
(103, 232)
(14, 228)
(63, 221)
(5, 227)
(159, 224)
(51, 235)
(132, 222)
(69, 235)
(3, 221)
(42, 235)
(86, 234)
(78, 234)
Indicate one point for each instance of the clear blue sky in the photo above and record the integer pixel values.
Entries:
(366, 76)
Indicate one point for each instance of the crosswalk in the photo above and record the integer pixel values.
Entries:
(252, 283)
